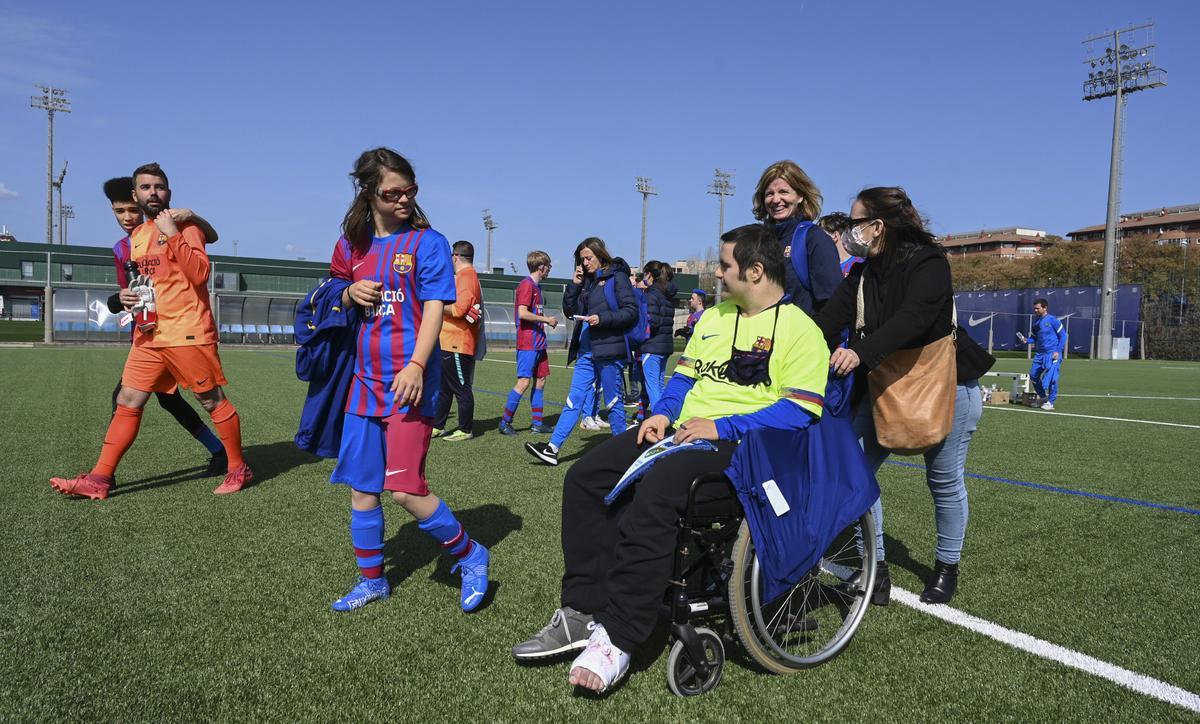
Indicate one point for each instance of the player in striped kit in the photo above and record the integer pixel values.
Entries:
(402, 277)
(532, 360)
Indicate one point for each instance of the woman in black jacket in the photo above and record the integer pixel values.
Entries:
(600, 299)
(908, 302)
(788, 202)
(660, 305)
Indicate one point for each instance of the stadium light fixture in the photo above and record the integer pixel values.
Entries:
(646, 190)
(1116, 82)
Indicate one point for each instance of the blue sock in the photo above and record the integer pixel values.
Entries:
(210, 441)
(447, 531)
(535, 403)
(511, 405)
(366, 535)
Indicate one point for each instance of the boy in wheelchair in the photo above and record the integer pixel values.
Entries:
(753, 362)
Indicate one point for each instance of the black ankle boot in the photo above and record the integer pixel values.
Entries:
(883, 585)
(943, 584)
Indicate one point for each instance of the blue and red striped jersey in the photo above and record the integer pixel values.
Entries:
(414, 267)
(121, 254)
(530, 335)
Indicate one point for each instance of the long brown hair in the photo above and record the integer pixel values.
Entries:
(794, 176)
(904, 231)
(358, 225)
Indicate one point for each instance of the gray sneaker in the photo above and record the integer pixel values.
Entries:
(567, 631)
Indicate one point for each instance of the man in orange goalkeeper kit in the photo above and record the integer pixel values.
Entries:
(175, 341)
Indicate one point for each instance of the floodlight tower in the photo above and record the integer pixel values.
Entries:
(52, 100)
(646, 190)
(65, 211)
(721, 186)
(490, 225)
(58, 185)
(1116, 80)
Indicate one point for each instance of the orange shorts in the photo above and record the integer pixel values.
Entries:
(158, 369)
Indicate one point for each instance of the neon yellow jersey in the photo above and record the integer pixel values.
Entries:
(799, 364)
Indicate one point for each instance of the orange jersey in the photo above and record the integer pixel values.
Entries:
(179, 269)
(459, 335)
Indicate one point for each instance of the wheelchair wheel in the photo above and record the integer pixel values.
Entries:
(813, 621)
(682, 677)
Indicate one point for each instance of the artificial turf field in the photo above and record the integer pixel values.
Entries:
(165, 602)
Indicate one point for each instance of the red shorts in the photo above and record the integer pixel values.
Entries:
(159, 369)
(384, 453)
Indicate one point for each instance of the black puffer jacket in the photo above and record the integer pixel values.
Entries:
(608, 337)
(661, 309)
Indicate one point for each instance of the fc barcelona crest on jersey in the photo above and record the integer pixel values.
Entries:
(763, 344)
(402, 263)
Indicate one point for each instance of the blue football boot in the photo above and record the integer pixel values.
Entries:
(474, 576)
(367, 590)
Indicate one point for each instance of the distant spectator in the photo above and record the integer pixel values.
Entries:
(696, 304)
(461, 328)
(660, 295)
(836, 225)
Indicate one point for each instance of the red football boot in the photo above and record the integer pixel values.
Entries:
(235, 480)
(84, 485)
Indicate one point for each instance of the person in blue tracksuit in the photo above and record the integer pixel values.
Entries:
(660, 295)
(1049, 339)
(599, 347)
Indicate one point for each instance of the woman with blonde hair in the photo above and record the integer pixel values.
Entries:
(788, 202)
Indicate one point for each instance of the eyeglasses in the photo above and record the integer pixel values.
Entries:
(863, 220)
(391, 196)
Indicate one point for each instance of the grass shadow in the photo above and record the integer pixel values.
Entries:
(268, 461)
(897, 554)
(411, 548)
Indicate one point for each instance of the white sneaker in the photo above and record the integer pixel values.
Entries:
(589, 423)
(602, 659)
(1047, 405)
(601, 423)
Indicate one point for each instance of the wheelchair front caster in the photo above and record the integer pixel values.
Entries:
(686, 677)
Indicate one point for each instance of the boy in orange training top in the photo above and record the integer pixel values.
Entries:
(179, 346)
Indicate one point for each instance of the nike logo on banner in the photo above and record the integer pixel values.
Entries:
(973, 321)
(707, 336)
(395, 472)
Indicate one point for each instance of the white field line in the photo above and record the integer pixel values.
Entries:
(1140, 683)
(513, 362)
(1090, 417)
(1135, 397)
(1177, 368)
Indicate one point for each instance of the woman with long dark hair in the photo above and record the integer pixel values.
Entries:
(788, 202)
(400, 277)
(908, 302)
(601, 300)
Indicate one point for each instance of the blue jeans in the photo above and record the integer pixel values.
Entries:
(652, 378)
(587, 370)
(944, 467)
(1044, 375)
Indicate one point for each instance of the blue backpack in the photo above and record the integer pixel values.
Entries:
(640, 332)
(800, 260)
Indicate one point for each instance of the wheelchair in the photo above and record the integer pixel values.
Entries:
(717, 576)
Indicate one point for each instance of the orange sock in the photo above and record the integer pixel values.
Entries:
(229, 429)
(122, 430)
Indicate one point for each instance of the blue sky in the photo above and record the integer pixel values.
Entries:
(545, 113)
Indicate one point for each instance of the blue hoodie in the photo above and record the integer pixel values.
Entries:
(822, 474)
(326, 336)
